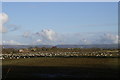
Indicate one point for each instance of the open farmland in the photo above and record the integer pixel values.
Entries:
(53, 63)
(12, 53)
(54, 68)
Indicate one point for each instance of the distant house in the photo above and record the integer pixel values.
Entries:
(54, 47)
(21, 50)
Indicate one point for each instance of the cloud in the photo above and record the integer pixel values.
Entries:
(51, 37)
(3, 20)
(109, 39)
(38, 41)
(84, 41)
(27, 34)
(90, 38)
(3, 17)
(13, 27)
(0, 42)
(47, 34)
(11, 42)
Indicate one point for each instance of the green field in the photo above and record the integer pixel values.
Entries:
(84, 67)
(69, 62)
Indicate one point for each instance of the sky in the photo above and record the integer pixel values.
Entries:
(60, 0)
(52, 23)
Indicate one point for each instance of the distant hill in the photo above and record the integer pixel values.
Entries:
(89, 46)
(25, 46)
(65, 46)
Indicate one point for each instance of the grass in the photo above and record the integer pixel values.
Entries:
(69, 62)
(55, 68)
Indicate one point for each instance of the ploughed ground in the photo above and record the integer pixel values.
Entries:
(44, 68)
